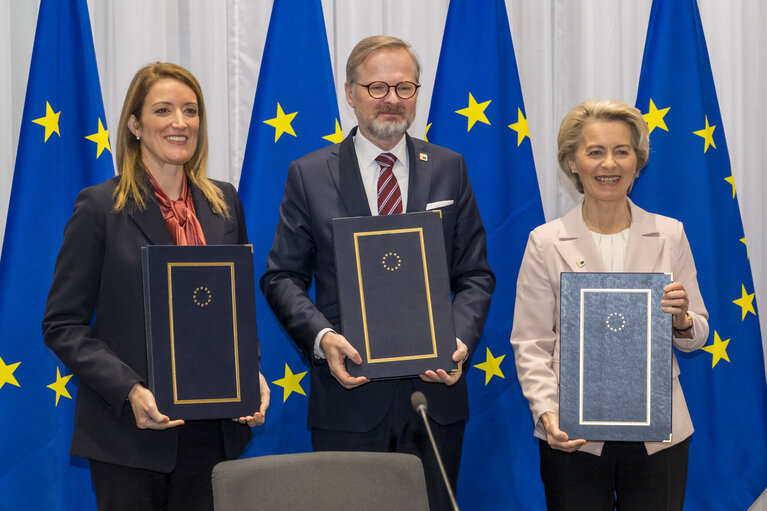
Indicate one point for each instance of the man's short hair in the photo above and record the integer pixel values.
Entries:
(375, 43)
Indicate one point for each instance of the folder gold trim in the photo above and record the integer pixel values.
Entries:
(419, 231)
(238, 396)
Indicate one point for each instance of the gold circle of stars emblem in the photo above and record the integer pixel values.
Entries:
(391, 261)
(615, 321)
(202, 296)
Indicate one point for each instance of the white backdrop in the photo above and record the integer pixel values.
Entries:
(567, 51)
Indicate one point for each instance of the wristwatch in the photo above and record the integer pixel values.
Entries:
(685, 329)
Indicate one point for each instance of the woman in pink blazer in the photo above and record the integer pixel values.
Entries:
(603, 144)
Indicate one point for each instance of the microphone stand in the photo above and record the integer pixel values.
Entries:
(418, 400)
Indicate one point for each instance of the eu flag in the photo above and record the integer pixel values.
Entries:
(63, 147)
(689, 177)
(477, 110)
(295, 112)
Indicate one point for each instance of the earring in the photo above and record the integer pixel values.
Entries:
(138, 137)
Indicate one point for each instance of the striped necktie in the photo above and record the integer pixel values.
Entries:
(389, 196)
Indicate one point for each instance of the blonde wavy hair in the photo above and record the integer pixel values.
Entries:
(134, 183)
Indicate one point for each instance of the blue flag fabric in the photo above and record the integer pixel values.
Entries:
(477, 110)
(295, 112)
(63, 147)
(689, 178)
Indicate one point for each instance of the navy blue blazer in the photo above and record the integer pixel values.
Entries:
(326, 184)
(94, 321)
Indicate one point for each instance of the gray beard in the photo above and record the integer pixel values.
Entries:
(391, 130)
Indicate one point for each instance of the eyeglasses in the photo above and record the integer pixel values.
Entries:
(379, 90)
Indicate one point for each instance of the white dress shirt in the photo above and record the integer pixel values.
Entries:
(367, 152)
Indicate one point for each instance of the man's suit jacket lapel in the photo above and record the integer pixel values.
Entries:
(576, 244)
(345, 171)
(419, 176)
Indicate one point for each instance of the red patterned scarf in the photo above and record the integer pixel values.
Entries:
(179, 215)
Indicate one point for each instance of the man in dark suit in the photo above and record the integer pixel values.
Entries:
(378, 169)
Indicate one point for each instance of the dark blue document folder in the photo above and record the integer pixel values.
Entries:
(615, 357)
(202, 346)
(394, 294)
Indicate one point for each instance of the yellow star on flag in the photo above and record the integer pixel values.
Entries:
(718, 350)
(654, 117)
(60, 386)
(426, 132)
(101, 138)
(290, 383)
(743, 240)
(520, 127)
(707, 134)
(731, 180)
(6, 373)
(281, 123)
(474, 112)
(334, 138)
(50, 121)
(745, 302)
(491, 366)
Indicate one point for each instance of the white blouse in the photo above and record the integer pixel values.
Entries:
(613, 248)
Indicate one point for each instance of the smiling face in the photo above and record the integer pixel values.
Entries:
(605, 161)
(383, 121)
(168, 125)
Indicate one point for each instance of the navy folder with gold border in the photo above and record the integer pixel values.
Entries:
(202, 345)
(615, 357)
(394, 294)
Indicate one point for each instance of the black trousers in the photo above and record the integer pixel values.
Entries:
(187, 487)
(624, 477)
(402, 430)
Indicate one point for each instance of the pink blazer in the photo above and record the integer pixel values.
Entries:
(655, 244)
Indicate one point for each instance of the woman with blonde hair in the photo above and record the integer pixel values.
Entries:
(94, 317)
(603, 144)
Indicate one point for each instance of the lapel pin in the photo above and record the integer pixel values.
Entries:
(580, 262)
(423, 157)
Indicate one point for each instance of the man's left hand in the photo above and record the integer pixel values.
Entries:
(442, 376)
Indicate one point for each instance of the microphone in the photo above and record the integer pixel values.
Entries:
(418, 400)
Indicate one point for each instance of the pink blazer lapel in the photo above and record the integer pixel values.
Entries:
(576, 245)
(645, 242)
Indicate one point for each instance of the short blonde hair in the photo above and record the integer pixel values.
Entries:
(133, 179)
(372, 44)
(571, 129)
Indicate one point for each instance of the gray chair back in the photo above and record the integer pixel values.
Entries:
(321, 481)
